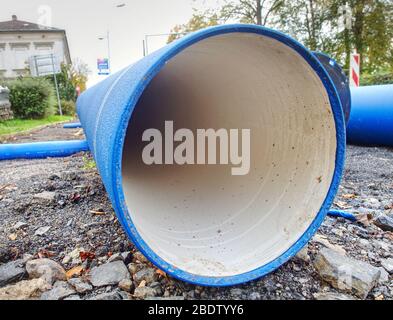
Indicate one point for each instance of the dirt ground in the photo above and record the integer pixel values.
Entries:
(76, 213)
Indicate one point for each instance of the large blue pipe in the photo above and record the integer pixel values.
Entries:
(42, 150)
(113, 112)
(371, 122)
(368, 110)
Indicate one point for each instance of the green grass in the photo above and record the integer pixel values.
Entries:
(18, 125)
(88, 163)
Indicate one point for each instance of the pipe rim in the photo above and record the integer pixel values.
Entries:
(347, 113)
(117, 152)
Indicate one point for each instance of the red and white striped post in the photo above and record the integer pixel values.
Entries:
(355, 70)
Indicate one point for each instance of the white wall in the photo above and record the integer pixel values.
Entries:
(2, 57)
(16, 48)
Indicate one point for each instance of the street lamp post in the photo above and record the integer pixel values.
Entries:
(147, 36)
(109, 48)
(121, 5)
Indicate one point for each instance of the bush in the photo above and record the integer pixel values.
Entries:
(377, 79)
(32, 98)
(68, 108)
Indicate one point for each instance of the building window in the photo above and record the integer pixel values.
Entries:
(21, 55)
(44, 46)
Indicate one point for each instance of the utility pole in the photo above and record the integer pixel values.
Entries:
(109, 50)
(56, 85)
(122, 5)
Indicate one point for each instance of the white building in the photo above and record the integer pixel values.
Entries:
(20, 40)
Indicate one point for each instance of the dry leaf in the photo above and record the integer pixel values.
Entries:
(349, 196)
(142, 284)
(76, 271)
(161, 273)
(342, 205)
(75, 197)
(45, 254)
(79, 133)
(13, 236)
(388, 235)
(86, 256)
(4, 187)
(98, 213)
(364, 218)
(389, 207)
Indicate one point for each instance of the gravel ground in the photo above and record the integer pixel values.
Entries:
(58, 209)
(45, 133)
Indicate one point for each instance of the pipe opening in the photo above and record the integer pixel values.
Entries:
(200, 218)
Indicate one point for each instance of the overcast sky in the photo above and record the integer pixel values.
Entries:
(86, 20)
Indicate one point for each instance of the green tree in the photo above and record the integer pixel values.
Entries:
(336, 27)
(376, 39)
(251, 11)
(307, 21)
(370, 33)
(66, 88)
(79, 74)
(245, 11)
(199, 20)
(71, 76)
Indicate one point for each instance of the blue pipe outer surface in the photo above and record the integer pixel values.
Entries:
(75, 125)
(339, 79)
(371, 122)
(105, 111)
(42, 150)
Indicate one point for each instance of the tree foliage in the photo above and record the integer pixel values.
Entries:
(71, 76)
(259, 12)
(336, 27)
(79, 74)
(245, 11)
(199, 20)
(369, 32)
(308, 21)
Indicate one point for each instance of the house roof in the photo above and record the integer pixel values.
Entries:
(16, 25)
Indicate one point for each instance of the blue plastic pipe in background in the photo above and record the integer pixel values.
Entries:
(368, 110)
(42, 150)
(76, 125)
(371, 121)
(342, 214)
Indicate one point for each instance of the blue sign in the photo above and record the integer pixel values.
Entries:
(103, 67)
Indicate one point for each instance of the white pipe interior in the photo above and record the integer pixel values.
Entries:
(200, 218)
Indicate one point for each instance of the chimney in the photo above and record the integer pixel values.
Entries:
(14, 17)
